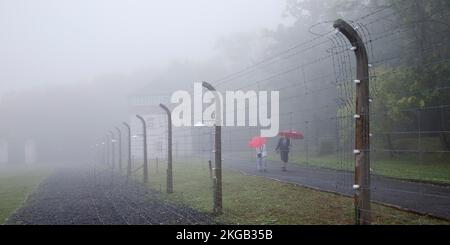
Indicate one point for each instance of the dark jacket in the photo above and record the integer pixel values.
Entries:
(283, 144)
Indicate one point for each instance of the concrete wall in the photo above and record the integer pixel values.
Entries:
(14, 151)
(3, 151)
(30, 152)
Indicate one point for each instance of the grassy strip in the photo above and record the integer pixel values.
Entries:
(408, 168)
(256, 200)
(16, 183)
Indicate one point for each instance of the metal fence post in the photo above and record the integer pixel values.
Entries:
(129, 149)
(113, 160)
(217, 180)
(105, 150)
(107, 156)
(169, 149)
(362, 134)
(119, 148)
(210, 169)
(145, 166)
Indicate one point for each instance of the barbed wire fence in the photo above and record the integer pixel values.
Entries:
(407, 138)
(409, 125)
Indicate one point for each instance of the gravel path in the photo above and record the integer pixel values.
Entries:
(91, 197)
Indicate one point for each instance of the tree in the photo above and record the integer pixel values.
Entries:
(419, 79)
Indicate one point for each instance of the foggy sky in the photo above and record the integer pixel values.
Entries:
(62, 41)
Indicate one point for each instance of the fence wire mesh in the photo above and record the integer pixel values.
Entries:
(410, 124)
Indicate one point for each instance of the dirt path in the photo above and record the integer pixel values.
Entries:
(92, 197)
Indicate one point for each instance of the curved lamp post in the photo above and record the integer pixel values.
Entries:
(362, 133)
(217, 180)
(107, 149)
(129, 149)
(169, 149)
(145, 166)
(119, 142)
(113, 160)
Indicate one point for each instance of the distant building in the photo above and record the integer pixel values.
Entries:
(3, 151)
(14, 151)
(30, 152)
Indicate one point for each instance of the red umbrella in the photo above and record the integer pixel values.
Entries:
(292, 134)
(256, 142)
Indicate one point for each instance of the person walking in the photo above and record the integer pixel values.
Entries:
(261, 155)
(283, 147)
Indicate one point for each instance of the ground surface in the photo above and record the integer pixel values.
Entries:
(93, 197)
(419, 197)
(432, 169)
(259, 200)
(16, 183)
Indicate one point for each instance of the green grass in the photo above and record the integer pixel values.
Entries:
(429, 169)
(433, 166)
(256, 200)
(16, 183)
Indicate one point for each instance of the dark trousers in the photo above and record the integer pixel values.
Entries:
(284, 156)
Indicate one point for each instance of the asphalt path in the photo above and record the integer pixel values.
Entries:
(423, 198)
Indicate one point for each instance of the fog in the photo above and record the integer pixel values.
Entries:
(67, 68)
(54, 42)
(70, 71)
(106, 104)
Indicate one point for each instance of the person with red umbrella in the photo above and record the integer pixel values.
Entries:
(284, 145)
(259, 143)
(283, 148)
